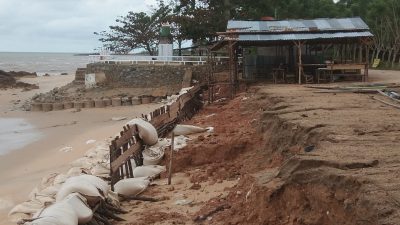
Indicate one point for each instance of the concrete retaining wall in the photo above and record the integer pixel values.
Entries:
(147, 76)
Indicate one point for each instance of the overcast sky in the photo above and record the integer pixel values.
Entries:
(59, 25)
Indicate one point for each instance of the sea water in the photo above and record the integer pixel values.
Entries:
(16, 133)
(42, 63)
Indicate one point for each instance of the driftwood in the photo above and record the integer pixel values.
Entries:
(362, 91)
(387, 103)
(384, 94)
(370, 86)
(280, 112)
(98, 218)
(210, 213)
(140, 198)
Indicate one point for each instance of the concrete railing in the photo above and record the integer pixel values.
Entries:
(152, 60)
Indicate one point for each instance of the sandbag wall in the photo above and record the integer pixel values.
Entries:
(129, 145)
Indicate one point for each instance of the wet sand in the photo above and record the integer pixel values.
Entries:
(22, 169)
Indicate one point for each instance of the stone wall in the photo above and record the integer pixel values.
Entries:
(146, 76)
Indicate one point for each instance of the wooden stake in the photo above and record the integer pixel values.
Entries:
(170, 158)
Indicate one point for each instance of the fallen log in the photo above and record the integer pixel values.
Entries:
(140, 198)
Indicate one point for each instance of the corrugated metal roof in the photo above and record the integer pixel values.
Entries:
(301, 36)
(344, 24)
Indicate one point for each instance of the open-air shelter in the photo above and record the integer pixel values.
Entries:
(301, 51)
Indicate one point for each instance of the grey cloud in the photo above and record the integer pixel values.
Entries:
(59, 25)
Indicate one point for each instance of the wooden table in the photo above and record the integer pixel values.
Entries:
(327, 72)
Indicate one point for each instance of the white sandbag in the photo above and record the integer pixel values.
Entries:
(131, 186)
(33, 193)
(79, 204)
(148, 171)
(75, 171)
(100, 170)
(80, 186)
(50, 191)
(180, 142)
(83, 162)
(17, 217)
(60, 179)
(181, 129)
(147, 132)
(48, 180)
(61, 211)
(28, 207)
(153, 155)
(96, 181)
(45, 221)
(44, 199)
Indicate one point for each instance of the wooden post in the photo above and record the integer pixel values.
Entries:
(299, 60)
(366, 62)
(170, 158)
(232, 68)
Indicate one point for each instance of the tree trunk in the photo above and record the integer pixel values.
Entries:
(389, 59)
(179, 47)
(378, 52)
(396, 52)
(373, 54)
(149, 50)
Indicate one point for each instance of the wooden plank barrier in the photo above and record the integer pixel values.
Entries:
(128, 144)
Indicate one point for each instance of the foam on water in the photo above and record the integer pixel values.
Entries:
(16, 133)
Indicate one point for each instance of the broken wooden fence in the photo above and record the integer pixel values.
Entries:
(128, 144)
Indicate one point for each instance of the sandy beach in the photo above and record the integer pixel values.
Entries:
(22, 169)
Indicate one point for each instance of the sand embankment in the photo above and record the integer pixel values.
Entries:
(22, 169)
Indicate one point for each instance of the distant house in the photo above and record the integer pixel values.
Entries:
(296, 49)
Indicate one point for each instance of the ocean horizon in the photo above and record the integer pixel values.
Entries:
(53, 63)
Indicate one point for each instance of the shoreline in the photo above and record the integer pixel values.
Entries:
(22, 169)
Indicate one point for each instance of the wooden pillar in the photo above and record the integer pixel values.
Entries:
(360, 53)
(299, 62)
(366, 62)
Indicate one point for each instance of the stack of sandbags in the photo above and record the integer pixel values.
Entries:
(89, 186)
(40, 196)
(56, 188)
(73, 201)
(61, 213)
(72, 210)
(96, 161)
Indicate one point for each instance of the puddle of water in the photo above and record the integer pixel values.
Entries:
(16, 133)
